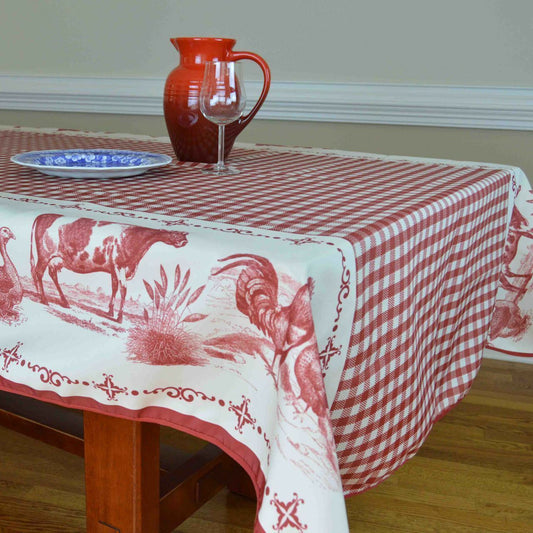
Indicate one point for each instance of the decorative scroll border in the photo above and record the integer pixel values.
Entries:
(13, 356)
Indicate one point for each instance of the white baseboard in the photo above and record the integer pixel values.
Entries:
(423, 105)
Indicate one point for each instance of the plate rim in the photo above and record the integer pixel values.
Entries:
(166, 159)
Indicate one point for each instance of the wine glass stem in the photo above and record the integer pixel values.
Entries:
(220, 164)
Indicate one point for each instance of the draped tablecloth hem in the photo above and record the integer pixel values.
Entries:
(158, 415)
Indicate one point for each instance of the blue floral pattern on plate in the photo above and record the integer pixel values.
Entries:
(101, 163)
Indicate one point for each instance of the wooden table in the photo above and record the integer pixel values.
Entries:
(411, 251)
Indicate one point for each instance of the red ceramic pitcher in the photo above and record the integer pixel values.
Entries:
(193, 137)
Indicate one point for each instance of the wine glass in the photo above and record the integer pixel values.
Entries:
(222, 101)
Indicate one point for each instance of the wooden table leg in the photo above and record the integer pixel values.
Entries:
(240, 483)
(121, 475)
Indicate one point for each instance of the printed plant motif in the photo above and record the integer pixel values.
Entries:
(161, 337)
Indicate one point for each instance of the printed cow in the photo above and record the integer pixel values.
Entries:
(85, 245)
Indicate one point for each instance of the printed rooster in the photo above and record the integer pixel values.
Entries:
(288, 327)
(291, 330)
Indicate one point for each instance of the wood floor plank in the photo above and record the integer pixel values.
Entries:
(19, 516)
(421, 517)
(438, 491)
(446, 477)
(487, 398)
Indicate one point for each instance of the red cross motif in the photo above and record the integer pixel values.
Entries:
(11, 356)
(109, 387)
(305, 240)
(287, 513)
(327, 353)
(243, 414)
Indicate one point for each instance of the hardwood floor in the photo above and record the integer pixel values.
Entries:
(474, 474)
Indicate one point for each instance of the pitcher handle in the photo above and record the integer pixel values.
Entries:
(236, 56)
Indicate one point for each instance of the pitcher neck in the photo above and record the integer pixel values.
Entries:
(198, 50)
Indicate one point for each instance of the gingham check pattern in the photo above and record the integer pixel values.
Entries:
(427, 236)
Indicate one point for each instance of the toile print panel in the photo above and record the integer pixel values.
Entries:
(511, 329)
(221, 332)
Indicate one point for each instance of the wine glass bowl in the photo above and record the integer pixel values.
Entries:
(222, 101)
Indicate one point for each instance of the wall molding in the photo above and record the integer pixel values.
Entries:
(505, 108)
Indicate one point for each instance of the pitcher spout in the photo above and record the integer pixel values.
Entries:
(198, 50)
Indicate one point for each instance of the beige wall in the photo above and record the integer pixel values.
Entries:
(457, 42)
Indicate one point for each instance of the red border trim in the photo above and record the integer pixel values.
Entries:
(510, 352)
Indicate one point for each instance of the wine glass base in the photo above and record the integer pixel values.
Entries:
(216, 170)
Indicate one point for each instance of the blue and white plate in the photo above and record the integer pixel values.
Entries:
(97, 163)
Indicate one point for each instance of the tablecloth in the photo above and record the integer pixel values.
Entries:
(313, 315)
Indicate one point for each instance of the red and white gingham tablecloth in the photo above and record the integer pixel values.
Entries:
(313, 315)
